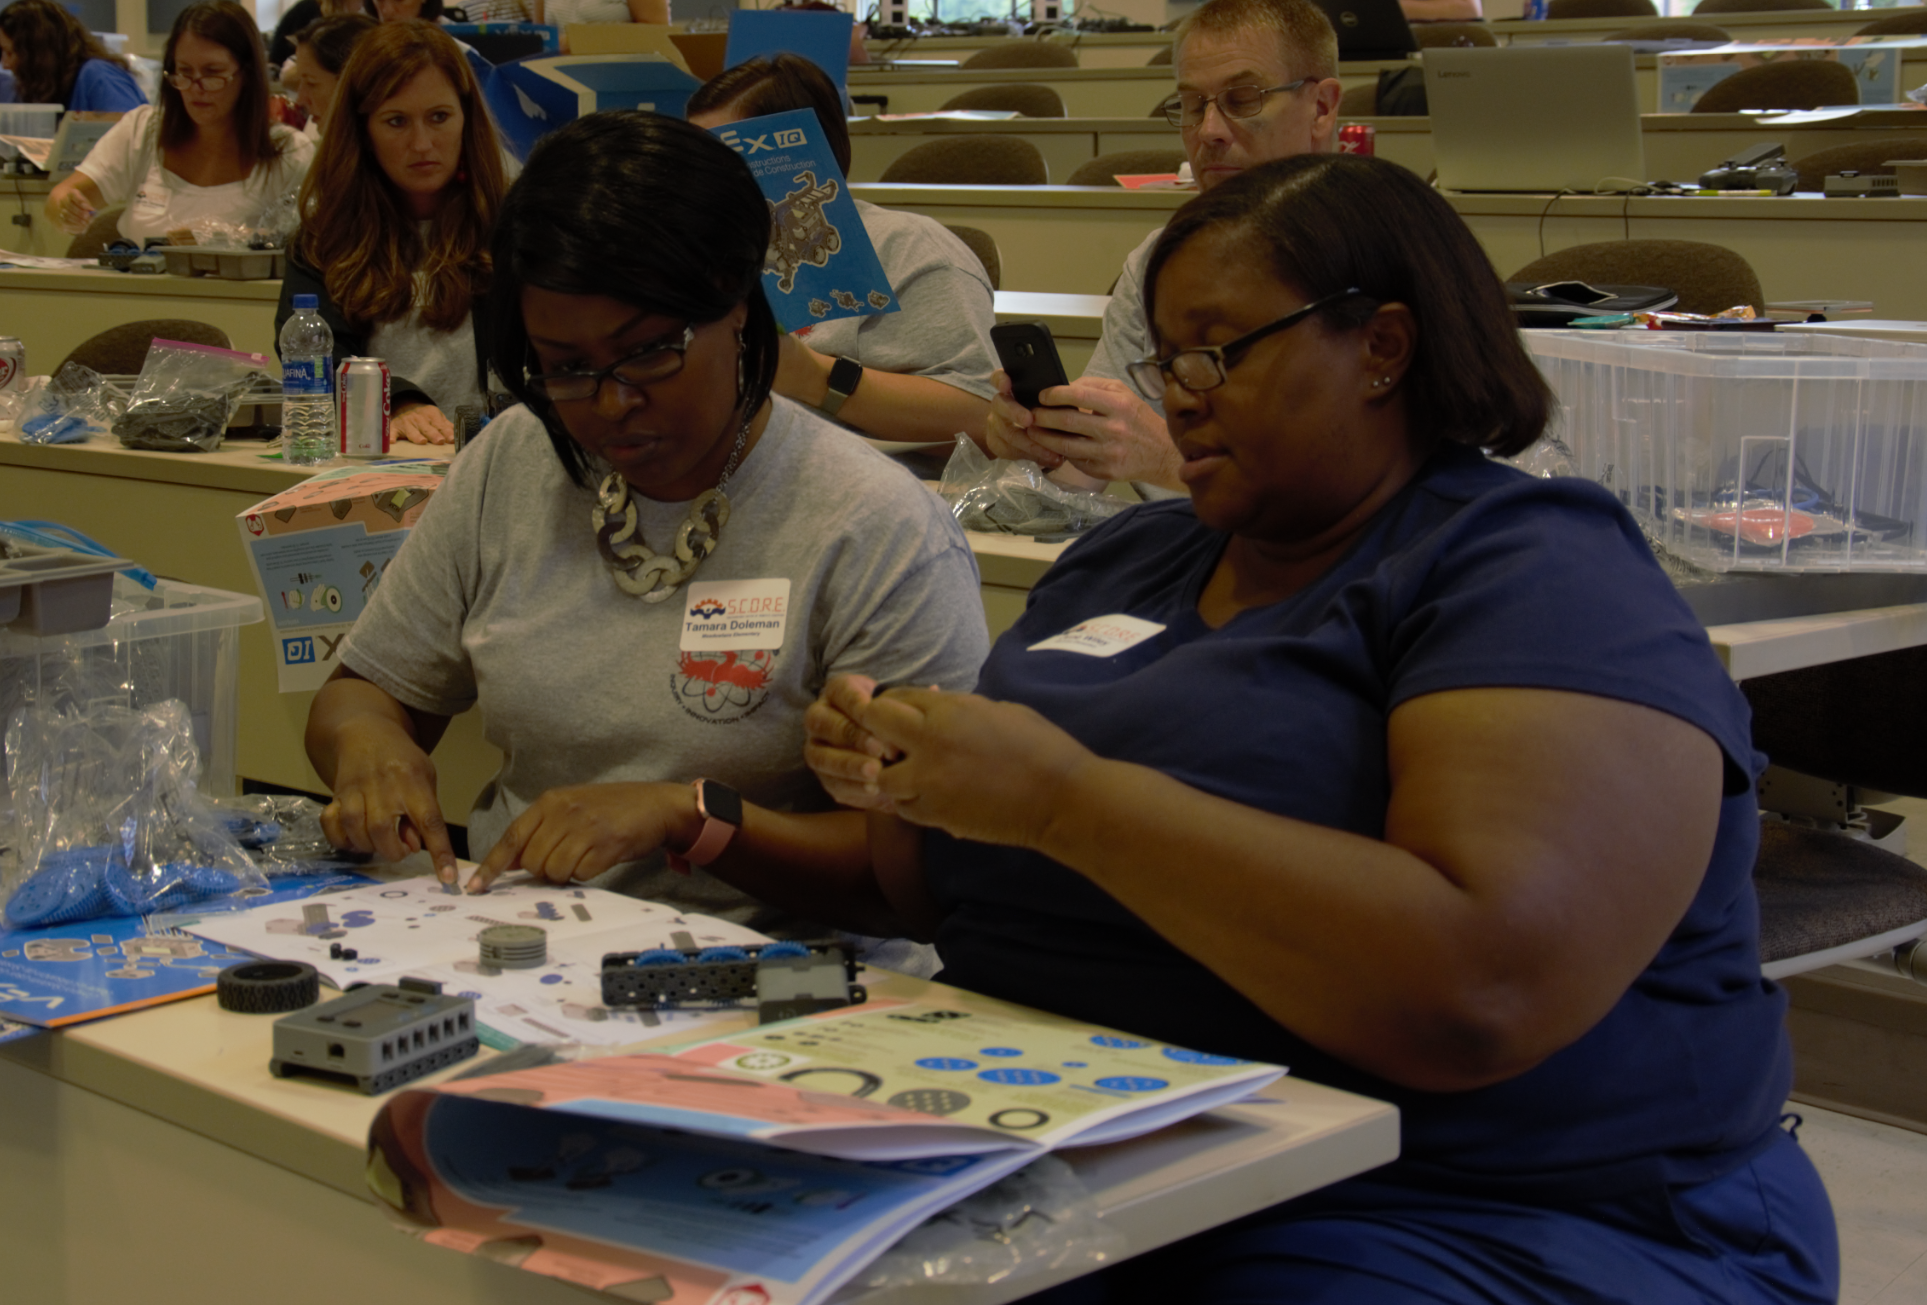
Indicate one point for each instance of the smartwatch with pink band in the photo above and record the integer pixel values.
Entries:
(721, 808)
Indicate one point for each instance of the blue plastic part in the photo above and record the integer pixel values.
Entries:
(777, 951)
(661, 956)
(718, 955)
(88, 883)
(51, 534)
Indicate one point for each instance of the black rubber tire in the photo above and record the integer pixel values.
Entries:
(267, 987)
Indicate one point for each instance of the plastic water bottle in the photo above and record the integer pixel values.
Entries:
(308, 434)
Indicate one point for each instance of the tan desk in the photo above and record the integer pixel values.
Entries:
(1681, 146)
(1065, 143)
(1802, 246)
(52, 312)
(1824, 23)
(1087, 92)
(153, 1157)
(1074, 238)
(26, 197)
(1094, 49)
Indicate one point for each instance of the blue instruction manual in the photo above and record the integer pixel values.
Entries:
(821, 36)
(66, 973)
(821, 264)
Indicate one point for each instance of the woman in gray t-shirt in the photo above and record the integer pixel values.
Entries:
(644, 577)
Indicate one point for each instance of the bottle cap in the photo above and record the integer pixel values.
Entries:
(304, 302)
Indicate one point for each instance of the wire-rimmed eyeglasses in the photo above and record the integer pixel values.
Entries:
(657, 362)
(1186, 108)
(210, 83)
(1205, 368)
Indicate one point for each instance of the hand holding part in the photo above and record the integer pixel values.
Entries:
(1104, 429)
(1007, 429)
(847, 758)
(578, 832)
(990, 771)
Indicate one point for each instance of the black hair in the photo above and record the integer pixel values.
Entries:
(777, 84)
(1327, 222)
(431, 10)
(645, 209)
(332, 40)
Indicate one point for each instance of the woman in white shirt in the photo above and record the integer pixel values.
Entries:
(208, 152)
(395, 223)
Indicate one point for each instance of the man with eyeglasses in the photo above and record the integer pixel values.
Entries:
(1257, 80)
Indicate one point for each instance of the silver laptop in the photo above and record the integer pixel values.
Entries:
(1535, 118)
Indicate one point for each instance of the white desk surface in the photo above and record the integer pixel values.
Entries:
(154, 1157)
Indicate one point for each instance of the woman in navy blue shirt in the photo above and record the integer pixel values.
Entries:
(54, 59)
(1378, 759)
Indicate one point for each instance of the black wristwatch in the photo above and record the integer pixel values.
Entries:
(845, 375)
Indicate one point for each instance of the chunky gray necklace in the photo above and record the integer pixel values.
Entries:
(639, 569)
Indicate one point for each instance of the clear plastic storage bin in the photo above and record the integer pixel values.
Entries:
(174, 641)
(1751, 451)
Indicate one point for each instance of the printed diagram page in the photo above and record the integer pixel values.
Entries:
(412, 927)
(1000, 1067)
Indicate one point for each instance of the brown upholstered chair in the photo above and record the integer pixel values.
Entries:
(974, 160)
(1855, 725)
(1903, 22)
(1671, 31)
(1023, 54)
(984, 246)
(1784, 84)
(103, 231)
(1601, 9)
(1707, 278)
(1104, 169)
(1862, 156)
(1755, 6)
(1027, 99)
(1359, 101)
(121, 350)
(1429, 35)
(1162, 58)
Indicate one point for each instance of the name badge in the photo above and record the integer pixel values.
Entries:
(735, 615)
(150, 201)
(1101, 636)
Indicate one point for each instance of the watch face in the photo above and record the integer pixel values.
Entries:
(721, 802)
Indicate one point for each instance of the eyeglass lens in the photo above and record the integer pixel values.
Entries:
(635, 371)
(1238, 102)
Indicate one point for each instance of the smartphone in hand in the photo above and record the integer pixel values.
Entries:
(1028, 356)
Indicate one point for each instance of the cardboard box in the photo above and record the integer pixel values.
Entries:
(318, 552)
(532, 97)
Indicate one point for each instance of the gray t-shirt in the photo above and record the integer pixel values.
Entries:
(945, 308)
(500, 599)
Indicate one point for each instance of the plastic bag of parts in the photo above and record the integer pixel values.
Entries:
(185, 395)
(107, 822)
(1038, 1219)
(74, 405)
(281, 832)
(1017, 498)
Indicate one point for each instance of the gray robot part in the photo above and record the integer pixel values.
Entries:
(377, 1037)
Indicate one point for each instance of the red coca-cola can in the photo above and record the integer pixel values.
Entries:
(1358, 138)
(362, 407)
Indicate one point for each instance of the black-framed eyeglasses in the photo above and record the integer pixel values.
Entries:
(1186, 108)
(211, 83)
(657, 362)
(1205, 368)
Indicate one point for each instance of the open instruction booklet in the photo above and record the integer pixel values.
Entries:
(768, 1167)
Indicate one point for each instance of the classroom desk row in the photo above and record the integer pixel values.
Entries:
(1679, 146)
(1804, 247)
(1136, 92)
(51, 312)
(1134, 49)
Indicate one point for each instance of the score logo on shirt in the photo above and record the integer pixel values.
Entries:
(732, 631)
